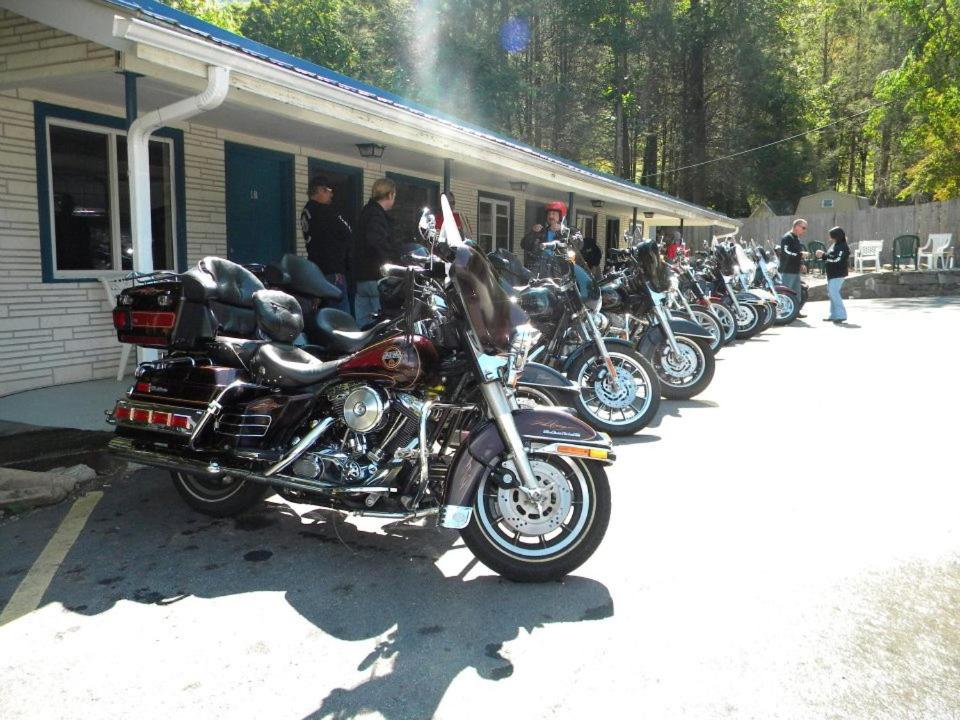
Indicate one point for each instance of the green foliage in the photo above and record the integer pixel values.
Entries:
(666, 91)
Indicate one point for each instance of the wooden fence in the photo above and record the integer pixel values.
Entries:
(871, 224)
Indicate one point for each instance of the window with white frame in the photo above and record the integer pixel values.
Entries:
(90, 200)
(587, 222)
(494, 221)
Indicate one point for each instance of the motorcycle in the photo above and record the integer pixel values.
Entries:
(765, 277)
(684, 289)
(635, 292)
(720, 271)
(374, 431)
(619, 392)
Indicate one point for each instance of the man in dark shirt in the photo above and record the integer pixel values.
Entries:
(328, 236)
(791, 257)
(375, 246)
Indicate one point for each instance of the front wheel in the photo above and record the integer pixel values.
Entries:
(540, 539)
(728, 321)
(709, 322)
(768, 314)
(686, 373)
(224, 496)
(622, 407)
(532, 396)
(787, 309)
(748, 320)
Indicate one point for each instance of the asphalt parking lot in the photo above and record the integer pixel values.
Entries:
(784, 546)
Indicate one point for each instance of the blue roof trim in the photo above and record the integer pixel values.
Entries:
(164, 13)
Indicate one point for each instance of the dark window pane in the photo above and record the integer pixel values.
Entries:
(81, 196)
(161, 205)
(411, 199)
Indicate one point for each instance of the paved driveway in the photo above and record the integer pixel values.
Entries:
(785, 546)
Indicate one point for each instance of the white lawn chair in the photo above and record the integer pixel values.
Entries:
(867, 251)
(937, 248)
(112, 287)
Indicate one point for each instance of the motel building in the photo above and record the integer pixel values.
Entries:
(136, 137)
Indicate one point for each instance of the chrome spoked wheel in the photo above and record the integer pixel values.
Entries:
(681, 368)
(544, 537)
(709, 322)
(529, 396)
(622, 407)
(727, 321)
(787, 309)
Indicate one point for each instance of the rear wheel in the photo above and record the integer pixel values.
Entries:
(528, 540)
(531, 396)
(687, 372)
(620, 407)
(222, 496)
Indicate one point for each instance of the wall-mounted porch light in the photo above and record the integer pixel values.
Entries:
(648, 213)
(370, 150)
(597, 203)
(518, 185)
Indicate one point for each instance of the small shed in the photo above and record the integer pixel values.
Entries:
(828, 201)
(772, 208)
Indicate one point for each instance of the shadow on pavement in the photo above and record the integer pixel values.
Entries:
(143, 544)
(674, 408)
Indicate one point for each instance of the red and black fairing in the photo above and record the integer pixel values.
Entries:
(400, 361)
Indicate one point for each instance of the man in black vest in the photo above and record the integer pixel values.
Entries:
(328, 236)
(791, 257)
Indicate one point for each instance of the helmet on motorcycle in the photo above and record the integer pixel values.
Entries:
(557, 205)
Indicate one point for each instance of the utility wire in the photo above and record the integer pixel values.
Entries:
(769, 144)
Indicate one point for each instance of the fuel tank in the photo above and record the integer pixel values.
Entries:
(401, 361)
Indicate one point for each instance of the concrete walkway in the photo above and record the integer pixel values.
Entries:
(79, 405)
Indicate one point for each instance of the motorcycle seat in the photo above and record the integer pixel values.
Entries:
(338, 332)
(228, 350)
(286, 366)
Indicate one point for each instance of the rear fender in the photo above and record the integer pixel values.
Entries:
(544, 430)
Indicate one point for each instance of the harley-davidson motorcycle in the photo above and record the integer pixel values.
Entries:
(236, 417)
(619, 392)
(634, 293)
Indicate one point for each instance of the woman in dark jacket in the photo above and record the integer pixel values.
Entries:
(836, 260)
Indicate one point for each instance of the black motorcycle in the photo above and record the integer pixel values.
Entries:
(618, 390)
(375, 431)
(634, 291)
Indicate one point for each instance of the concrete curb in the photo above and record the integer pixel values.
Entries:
(24, 489)
(896, 284)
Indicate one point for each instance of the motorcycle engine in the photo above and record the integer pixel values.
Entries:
(370, 430)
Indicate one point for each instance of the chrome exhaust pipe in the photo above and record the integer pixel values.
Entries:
(124, 448)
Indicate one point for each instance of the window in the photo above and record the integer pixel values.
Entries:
(85, 196)
(826, 203)
(494, 223)
(413, 194)
(587, 222)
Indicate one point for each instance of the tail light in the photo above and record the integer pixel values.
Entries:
(152, 320)
(149, 418)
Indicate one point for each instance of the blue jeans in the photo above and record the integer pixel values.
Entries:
(792, 281)
(367, 302)
(340, 281)
(837, 310)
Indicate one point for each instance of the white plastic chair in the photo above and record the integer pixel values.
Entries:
(936, 248)
(867, 251)
(112, 286)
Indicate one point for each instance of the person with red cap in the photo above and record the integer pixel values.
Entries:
(532, 242)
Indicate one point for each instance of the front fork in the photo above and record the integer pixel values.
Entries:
(664, 319)
(731, 294)
(502, 414)
(593, 331)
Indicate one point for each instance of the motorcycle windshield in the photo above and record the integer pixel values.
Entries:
(489, 311)
(588, 288)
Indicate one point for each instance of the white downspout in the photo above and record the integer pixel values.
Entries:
(138, 157)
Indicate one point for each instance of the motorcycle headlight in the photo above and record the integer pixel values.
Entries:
(602, 322)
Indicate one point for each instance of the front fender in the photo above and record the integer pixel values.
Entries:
(784, 290)
(750, 298)
(540, 375)
(547, 430)
(610, 342)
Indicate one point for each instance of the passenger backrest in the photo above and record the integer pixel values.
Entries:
(227, 289)
(304, 277)
(278, 315)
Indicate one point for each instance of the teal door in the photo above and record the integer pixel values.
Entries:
(260, 211)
